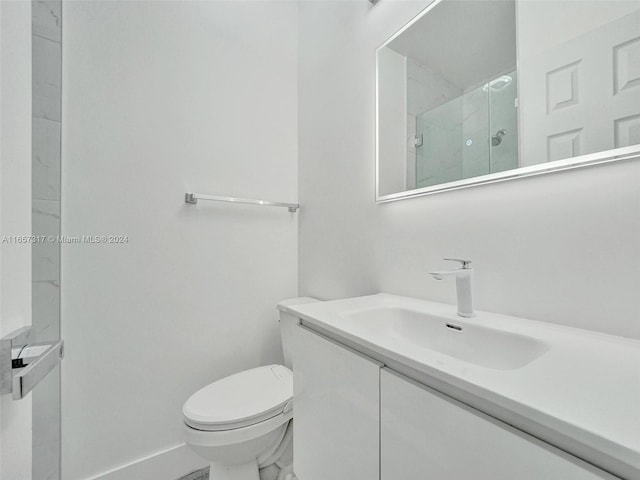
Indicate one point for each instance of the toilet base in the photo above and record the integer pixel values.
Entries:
(243, 471)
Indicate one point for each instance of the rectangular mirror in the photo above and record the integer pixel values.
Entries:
(471, 92)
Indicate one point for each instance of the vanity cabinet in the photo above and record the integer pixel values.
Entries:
(355, 419)
(426, 435)
(336, 411)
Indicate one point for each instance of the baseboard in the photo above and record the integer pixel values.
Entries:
(169, 464)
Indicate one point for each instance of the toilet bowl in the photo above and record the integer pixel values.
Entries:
(242, 422)
(237, 420)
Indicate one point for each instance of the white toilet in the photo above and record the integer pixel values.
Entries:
(242, 422)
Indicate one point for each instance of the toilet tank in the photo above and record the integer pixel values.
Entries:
(288, 325)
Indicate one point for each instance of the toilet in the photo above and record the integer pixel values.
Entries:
(242, 422)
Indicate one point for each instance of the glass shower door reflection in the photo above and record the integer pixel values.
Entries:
(473, 134)
(503, 123)
(439, 155)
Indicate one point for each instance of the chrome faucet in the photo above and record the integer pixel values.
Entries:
(464, 277)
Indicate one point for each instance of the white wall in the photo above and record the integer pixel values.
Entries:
(562, 21)
(159, 99)
(560, 247)
(15, 219)
(392, 80)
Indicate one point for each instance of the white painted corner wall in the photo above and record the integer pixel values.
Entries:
(159, 99)
(392, 121)
(561, 248)
(15, 219)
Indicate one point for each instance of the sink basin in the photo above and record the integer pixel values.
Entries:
(468, 341)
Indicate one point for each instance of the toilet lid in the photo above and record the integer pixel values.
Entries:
(242, 399)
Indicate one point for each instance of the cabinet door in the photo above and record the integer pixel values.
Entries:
(336, 411)
(427, 436)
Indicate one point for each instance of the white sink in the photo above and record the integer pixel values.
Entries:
(468, 341)
(576, 389)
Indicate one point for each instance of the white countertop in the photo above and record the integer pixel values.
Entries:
(582, 395)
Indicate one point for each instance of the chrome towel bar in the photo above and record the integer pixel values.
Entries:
(193, 198)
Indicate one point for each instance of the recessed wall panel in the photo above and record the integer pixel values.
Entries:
(563, 87)
(563, 145)
(627, 131)
(626, 68)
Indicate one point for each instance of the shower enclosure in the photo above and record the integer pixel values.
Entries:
(474, 133)
(46, 30)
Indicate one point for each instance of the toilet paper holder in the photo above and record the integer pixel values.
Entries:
(24, 364)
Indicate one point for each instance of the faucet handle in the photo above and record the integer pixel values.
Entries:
(465, 264)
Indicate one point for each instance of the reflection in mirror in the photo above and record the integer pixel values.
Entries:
(453, 109)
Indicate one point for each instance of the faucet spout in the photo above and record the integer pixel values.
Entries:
(440, 274)
(464, 281)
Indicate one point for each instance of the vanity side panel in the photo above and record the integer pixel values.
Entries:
(427, 435)
(336, 411)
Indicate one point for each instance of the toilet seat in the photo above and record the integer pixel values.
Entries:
(225, 438)
(241, 400)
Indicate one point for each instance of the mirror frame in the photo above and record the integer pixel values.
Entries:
(597, 158)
